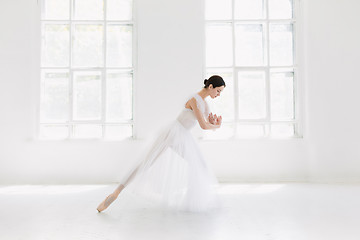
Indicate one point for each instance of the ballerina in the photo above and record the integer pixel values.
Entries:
(174, 171)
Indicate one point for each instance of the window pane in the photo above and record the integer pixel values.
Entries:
(281, 44)
(118, 96)
(119, 46)
(223, 105)
(54, 96)
(282, 130)
(87, 131)
(249, 45)
(249, 9)
(88, 46)
(54, 132)
(119, 9)
(87, 95)
(282, 95)
(218, 9)
(280, 9)
(250, 131)
(56, 9)
(89, 9)
(119, 132)
(219, 45)
(252, 98)
(55, 45)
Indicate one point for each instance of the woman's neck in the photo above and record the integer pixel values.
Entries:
(203, 93)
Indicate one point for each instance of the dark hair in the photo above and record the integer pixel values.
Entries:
(215, 80)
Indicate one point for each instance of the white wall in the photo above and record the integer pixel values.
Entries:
(332, 64)
(170, 66)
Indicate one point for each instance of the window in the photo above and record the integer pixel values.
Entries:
(251, 44)
(86, 69)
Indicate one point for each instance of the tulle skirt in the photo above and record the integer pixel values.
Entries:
(175, 175)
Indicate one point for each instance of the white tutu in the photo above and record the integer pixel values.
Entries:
(174, 172)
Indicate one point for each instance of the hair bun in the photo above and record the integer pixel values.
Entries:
(205, 81)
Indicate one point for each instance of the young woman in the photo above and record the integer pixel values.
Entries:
(174, 171)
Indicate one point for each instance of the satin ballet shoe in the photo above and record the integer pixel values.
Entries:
(106, 203)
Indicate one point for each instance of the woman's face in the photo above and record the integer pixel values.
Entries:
(215, 92)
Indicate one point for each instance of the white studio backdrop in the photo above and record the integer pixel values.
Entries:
(170, 65)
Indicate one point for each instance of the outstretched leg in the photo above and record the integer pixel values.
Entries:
(145, 164)
(109, 199)
(159, 146)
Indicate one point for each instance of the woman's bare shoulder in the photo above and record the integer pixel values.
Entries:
(191, 103)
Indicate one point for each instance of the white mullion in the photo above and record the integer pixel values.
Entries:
(56, 21)
(251, 121)
(121, 69)
(295, 72)
(283, 67)
(89, 22)
(71, 74)
(256, 68)
(263, 121)
(242, 21)
(295, 101)
(87, 121)
(255, 21)
(40, 86)
(103, 100)
(263, 68)
(298, 130)
(295, 59)
(267, 71)
(134, 66)
(294, 37)
(122, 22)
(234, 71)
(295, 95)
(124, 69)
(247, 21)
(283, 21)
(103, 72)
(124, 122)
(92, 21)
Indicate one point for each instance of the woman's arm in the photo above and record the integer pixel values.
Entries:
(200, 117)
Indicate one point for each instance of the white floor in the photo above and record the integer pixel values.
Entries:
(250, 212)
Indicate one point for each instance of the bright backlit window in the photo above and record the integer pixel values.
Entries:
(251, 44)
(86, 69)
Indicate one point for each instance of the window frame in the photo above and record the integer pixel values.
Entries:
(234, 70)
(103, 69)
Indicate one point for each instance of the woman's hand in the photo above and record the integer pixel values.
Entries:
(211, 119)
(215, 120)
(218, 120)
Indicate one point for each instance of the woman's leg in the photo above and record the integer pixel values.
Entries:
(110, 198)
(144, 165)
(148, 162)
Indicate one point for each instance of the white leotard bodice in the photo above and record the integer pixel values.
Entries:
(187, 117)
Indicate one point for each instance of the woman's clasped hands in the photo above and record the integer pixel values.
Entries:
(215, 120)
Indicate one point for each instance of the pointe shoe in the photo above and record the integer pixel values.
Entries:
(105, 204)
